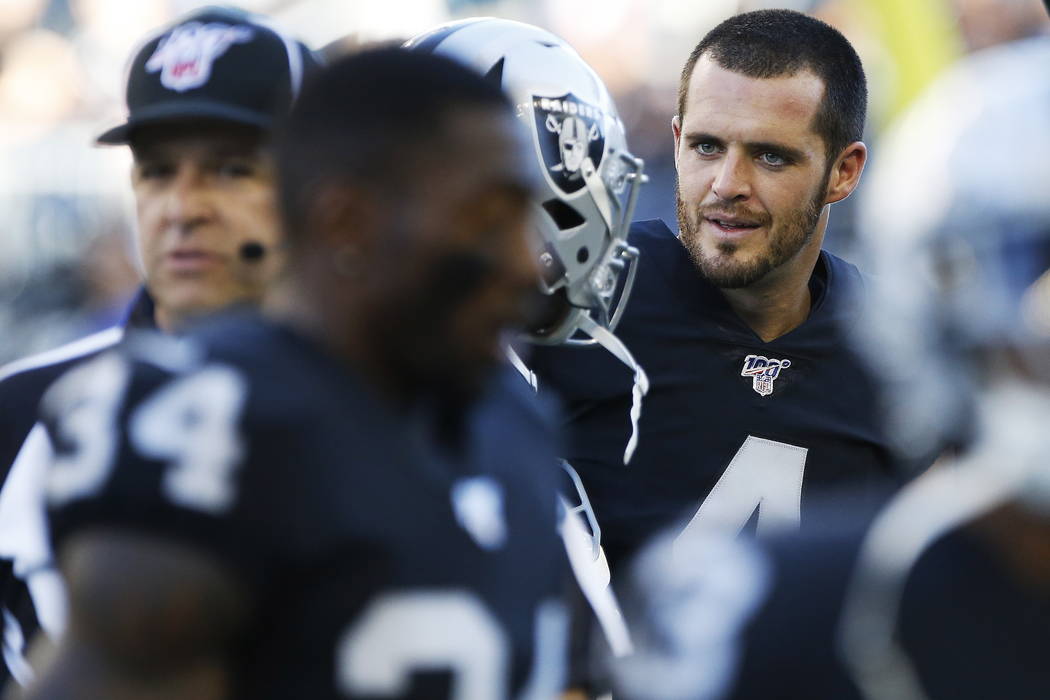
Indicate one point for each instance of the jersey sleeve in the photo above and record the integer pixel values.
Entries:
(166, 451)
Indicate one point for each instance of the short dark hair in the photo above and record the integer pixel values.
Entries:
(775, 43)
(367, 119)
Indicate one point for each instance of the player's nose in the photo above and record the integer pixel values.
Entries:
(732, 177)
(188, 200)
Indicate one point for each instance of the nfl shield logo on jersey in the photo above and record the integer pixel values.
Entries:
(185, 57)
(763, 371)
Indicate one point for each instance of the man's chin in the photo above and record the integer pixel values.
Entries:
(472, 377)
(461, 380)
(724, 266)
(452, 394)
(734, 276)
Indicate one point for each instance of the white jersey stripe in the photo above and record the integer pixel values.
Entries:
(83, 346)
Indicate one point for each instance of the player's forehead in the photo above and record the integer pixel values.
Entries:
(760, 108)
(198, 140)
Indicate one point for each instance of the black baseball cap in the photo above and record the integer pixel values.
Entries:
(215, 64)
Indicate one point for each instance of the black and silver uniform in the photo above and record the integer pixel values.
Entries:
(733, 430)
(386, 555)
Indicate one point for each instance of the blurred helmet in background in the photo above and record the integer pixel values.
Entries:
(589, 181)
(956, 231)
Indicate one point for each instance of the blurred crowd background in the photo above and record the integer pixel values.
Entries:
(67, 258)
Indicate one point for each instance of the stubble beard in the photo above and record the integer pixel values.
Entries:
(786, 239)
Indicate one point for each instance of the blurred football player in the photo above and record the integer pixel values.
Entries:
(738, 319)
(945, 592)
(202, 97)
(590, 179)
(307, 503)
(587, 193)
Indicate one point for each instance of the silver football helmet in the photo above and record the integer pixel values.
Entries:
(956, 226)
(590, 180)
(958, 241)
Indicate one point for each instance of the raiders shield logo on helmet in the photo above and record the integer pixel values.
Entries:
(569, 131)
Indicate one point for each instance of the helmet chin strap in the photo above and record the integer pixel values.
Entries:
(586, 558)
(598, 333)
(523, 369)
(614, 345)
(610, 342)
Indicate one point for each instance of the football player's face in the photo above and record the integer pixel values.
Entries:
(473, 268)
(752, 181)
(201, 194)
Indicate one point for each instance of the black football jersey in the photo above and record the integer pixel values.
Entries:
(24, 554)
(734, 431)
(969, 626)
(382, 561)
(747, 619)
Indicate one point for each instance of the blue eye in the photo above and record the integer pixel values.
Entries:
(706, 149)
(773, 159)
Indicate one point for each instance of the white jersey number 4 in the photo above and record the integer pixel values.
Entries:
(764, 475)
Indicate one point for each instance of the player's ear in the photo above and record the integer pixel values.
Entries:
(676, 129)
(343, 215)
(846, 172)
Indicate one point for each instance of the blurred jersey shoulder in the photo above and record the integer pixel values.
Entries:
(968, 624)
(23, 383)
(246, 441)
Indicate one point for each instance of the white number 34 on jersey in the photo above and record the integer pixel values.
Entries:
(191, 422)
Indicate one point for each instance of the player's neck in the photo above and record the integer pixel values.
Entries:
(171, 320)
(770, 315)
(165, 320)
(780, 302)
(174, 320)
(301, 306)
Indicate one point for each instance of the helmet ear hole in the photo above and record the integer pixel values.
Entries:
(495, 74)
(565, 217)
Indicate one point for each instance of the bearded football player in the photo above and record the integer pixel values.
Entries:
(739, 317)
(942, 593)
